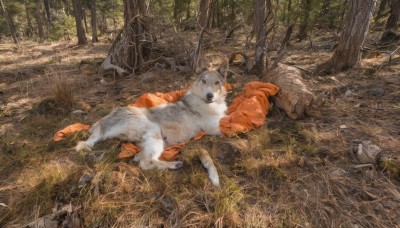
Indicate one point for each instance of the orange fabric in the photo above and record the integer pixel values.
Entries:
(149, 100)
(247, 112)
(61, 134)
(249, 109)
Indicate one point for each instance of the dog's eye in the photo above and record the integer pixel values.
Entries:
(204, 81)
(217, 83)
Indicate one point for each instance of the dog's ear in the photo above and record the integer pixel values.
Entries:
(200, 66)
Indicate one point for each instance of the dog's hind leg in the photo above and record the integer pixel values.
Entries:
(209, 165)
(153, 146)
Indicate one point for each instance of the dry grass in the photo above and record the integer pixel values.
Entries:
(284, 174)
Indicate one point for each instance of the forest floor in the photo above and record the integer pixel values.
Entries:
(295, 173)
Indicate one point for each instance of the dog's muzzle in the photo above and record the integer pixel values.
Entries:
(209, 97)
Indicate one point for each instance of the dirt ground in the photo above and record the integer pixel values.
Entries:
(288, 173)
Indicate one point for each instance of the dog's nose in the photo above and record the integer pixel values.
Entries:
(209, 96)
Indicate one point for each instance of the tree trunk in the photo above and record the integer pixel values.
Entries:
(325, 8)
(188, 9)
(80, 32)
(28, 19)
(391, 23)
(289, 12)
(47, 9)
(232, 15)
(133, 46)
(10, 23)
(261, 46)
(381, 8)
(347, 53)
(175, 15)
(93, 21)
(103, 25)
(205, 13)
(84, 21)
(304, 23)
(39, 23)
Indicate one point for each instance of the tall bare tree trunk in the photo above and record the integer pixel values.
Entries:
(188, 9)
(289, 12)
(381, 8)
(205, 13)
(391, 23)
(93, 21)
(80, 32)
(10, 23)
(304, 23)
(28, 19)
(103, 24)
(84, 21)
(261, 45)
(39, 23)
(47, 9)
(347, 53)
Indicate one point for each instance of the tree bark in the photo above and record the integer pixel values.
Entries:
(47, 9)
(205, 13)
(188, 9)
(93, 21)
(39, 23)
(28, 19)
(289, 11)
(347, 53)
(261, 46)
(84, 21)
(381, 8)
(132, 47)
(80, 32)
(10, 23)
(391, 23)
(304, 23)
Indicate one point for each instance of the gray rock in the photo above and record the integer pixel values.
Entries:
(376, 92)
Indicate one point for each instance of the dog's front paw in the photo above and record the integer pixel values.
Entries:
(82, 145)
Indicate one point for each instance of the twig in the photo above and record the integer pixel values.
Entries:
(303, 69)
(390, 58)
(196, 54)
(230, 33)
(284, 45)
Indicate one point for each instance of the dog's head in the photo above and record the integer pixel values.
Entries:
(210, 83)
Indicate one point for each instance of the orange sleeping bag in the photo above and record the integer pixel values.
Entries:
(247, 112)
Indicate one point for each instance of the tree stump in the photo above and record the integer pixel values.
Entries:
(294, 97)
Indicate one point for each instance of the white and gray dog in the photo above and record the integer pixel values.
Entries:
(200, 109)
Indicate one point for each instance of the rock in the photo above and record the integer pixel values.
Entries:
(364, 151)
(348, 93)
(147, 77)
(376, 92)
(67, 217)
(103, 82)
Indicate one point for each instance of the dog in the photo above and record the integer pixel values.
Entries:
(200, 109)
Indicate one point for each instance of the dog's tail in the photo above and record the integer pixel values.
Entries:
(209, 165)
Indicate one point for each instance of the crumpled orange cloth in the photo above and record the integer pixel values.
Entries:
(247, 112)
(61, 134)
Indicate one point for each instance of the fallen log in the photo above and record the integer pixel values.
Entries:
(294, 97)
